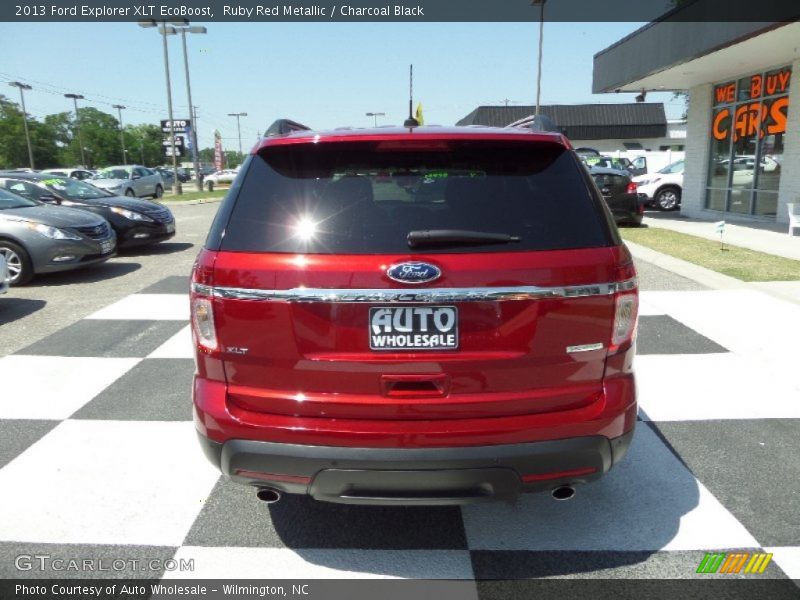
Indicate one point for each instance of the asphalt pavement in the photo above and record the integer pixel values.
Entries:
(98, 456)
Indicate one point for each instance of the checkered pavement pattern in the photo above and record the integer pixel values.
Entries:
(98, 458)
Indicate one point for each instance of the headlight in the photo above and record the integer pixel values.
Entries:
(54, 233)
(129, 214)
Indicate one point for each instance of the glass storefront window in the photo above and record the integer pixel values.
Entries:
(748, 125)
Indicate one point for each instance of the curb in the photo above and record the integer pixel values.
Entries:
(686, 269)
(191, 202)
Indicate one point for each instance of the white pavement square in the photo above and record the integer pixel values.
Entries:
(54, 387)
(147, 307)
(178, 346)
(286, 563)
(788, 559)
(650, 501)
(692, 387)
(106, 482)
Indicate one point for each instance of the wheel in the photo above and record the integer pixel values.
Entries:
(159, 192)
(20, 269)
(668, 198)
(129, 193)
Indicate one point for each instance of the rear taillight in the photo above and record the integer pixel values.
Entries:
(626, 307)
(631, 189)
(205, 332)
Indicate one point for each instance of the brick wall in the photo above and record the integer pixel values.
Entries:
(789, 190)
(698, 127)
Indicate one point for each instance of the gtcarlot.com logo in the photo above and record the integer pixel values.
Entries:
(734, 562)
(48, 562)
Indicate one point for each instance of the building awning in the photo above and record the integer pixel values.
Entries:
(583, 121)
(668, 55)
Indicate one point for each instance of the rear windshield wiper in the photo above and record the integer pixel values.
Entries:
(457, 236)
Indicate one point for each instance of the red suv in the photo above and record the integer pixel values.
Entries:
(414, 316)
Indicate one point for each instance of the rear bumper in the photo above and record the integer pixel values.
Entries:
(424, 476)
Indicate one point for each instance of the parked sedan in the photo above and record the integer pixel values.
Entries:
(135, 221)
(74, 173)
(224, 176)
(620, 195)
(39, 238)
(133, 180)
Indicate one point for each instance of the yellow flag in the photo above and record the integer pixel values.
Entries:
(418, 116)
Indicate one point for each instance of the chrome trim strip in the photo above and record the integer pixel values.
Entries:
(584, 348)
(430, 295)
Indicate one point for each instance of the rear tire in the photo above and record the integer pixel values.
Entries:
(129, 193)
(20, 268)
(159, 192)
(668, 198)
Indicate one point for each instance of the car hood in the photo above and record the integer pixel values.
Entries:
(57, 216)
(119, 201)
(108, 183)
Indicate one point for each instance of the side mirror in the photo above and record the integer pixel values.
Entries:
(50, 199)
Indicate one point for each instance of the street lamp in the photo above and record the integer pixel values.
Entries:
(165, 31)
(119, 108)
(239, 128)
(540, 4)
(376, 115)
(75, 98)
(184, 28)
(22, 87)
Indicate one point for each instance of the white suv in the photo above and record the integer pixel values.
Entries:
(662, 188)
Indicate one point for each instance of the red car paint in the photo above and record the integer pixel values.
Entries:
(303, 374)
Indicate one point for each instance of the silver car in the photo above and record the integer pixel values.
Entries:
(133, 180)
(40, 238)
(3, 274)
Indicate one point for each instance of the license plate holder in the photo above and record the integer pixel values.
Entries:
(413, 328)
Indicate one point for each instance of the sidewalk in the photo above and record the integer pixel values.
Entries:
(770, 238)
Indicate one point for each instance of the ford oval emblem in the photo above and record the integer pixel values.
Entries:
(413, 272)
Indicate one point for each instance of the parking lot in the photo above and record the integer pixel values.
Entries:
(98, 455)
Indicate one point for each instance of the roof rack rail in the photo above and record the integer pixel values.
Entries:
(537, 123)
(284, 126)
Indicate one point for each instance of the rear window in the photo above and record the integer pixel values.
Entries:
(365, 198)
(606, 180)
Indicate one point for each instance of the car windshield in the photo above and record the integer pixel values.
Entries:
(74, 189)
(115, 173)
(676, 167)
(9, 200)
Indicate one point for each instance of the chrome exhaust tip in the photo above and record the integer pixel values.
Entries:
(564, 492)
(268, 495)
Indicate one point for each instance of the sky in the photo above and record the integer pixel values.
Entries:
(322, 74)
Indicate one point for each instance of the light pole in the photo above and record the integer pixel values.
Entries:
(376, 115)
(239, 128)
(22, 87)
(540, 4)
(119, 108)
(184, 28)
(165, 31)
(75, 98)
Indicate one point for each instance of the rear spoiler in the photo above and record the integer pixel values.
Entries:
(284, 126)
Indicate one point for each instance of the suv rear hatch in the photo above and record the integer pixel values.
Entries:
(312, 321)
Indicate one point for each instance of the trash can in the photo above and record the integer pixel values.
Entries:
(209, 186)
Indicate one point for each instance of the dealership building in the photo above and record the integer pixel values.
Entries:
(743, 123)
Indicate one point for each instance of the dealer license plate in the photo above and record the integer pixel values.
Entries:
(106, 247)
(404, 328)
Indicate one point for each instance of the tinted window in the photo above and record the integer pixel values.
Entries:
(358, 198)
(8, 200)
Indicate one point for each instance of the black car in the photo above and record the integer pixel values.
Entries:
(135, 221)
(619, 192)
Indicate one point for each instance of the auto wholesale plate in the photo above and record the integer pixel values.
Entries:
(413, 328)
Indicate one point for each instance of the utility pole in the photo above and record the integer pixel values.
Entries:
(165, 31)
(22, 87)
(184, 29)
(75, 98)
(119, 108)
(540, 4)
(376, 115)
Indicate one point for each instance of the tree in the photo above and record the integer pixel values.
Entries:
(683, 97)
(143, 143)
(13, 145)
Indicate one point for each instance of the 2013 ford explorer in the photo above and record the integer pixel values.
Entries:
(414, 316)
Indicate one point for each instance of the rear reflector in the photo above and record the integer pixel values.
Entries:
(557, 475)
(277, 477)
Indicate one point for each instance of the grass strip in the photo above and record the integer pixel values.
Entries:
(734, 261)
